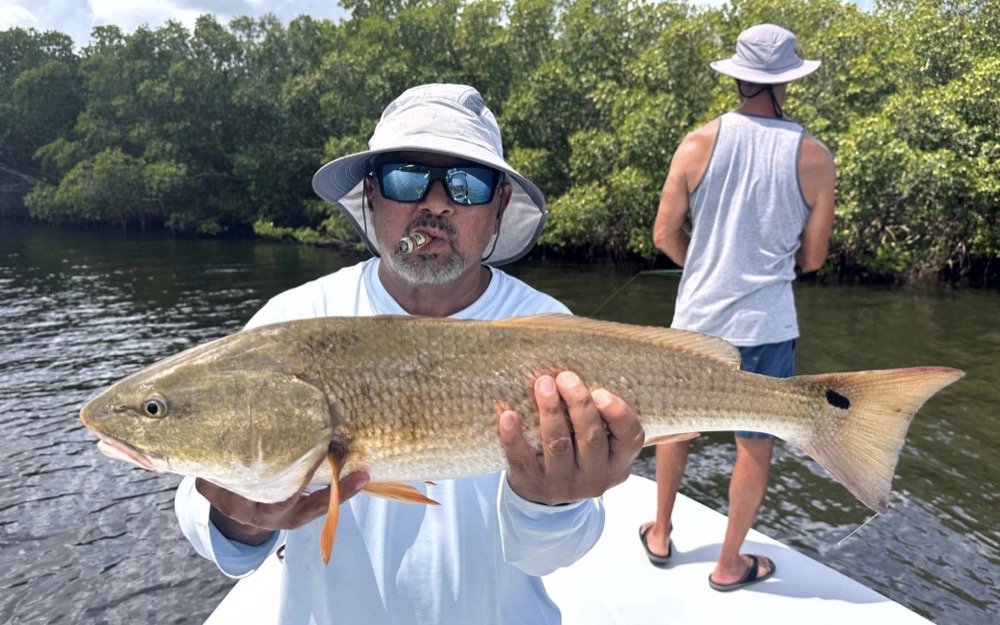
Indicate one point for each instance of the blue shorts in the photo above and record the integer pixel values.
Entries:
(774, 359)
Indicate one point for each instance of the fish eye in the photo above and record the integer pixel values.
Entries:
(154, 407)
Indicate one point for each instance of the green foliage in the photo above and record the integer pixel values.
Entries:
(919, 182)
(221, 129)
(110, 187)
(542, 113)
(593, 217)
(579, 219)
(918, 186)
(41, 94)
(300, 235)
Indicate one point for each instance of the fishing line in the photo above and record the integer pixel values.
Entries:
(612, 296)
(858, 529)
(629, 281)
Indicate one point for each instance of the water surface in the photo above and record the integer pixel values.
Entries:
(85, 539)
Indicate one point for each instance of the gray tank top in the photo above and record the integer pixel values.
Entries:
(747, 216)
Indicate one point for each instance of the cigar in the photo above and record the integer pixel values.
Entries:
(412, 242)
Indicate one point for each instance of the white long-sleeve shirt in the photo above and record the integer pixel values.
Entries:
(476, 558)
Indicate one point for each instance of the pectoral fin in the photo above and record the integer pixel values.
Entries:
(397, 491)
(670, 438)
(329, 533)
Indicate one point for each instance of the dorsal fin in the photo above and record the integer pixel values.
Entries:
(681, 340)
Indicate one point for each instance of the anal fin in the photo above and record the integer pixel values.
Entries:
(397, 491)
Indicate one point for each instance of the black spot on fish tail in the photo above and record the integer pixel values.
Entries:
(837, 400)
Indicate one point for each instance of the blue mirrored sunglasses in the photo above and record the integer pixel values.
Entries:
(410, 182)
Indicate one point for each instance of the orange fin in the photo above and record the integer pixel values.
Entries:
(670, 438)
(398, 491)
(329, 533)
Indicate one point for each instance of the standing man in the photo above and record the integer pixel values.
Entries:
(434, 172)
(760, 194)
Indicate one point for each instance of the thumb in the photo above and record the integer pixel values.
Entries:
(352, 484)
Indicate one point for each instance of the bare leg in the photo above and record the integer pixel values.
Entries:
(746, 493)
(671, 459)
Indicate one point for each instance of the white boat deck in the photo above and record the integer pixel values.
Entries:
(615, 585)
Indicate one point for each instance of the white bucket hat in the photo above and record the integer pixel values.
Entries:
(443, 119)
(765, 55)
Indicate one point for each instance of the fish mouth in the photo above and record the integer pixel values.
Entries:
(120, 450)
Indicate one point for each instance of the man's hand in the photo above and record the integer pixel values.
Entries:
(589, 442)
(251, 522)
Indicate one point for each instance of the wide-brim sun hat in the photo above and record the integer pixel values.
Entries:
(443, 119)
(765, 55)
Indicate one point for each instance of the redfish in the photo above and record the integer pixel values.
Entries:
(411, 399)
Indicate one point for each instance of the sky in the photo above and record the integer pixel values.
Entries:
(77, 17)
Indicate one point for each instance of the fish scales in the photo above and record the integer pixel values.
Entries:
(414, 399)
(399, 393)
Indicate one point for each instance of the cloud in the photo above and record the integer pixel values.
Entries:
(131, 15)
(67, 16)
(12, 15)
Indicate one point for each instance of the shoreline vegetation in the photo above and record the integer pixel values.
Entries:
(218, 131)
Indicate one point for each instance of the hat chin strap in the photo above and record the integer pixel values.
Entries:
(364, 225)
(778, 112)
(495, 238)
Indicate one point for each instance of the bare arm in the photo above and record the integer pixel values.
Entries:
(818, 177)
(686, 169)
(669, 234)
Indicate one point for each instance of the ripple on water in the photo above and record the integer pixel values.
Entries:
(84, 539)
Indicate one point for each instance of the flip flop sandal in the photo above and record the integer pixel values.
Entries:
(654, 558)
(749, 578)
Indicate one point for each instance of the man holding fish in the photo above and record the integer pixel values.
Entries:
(427, 376)
(439, 207)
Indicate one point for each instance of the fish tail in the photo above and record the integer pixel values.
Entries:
(874, 410)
